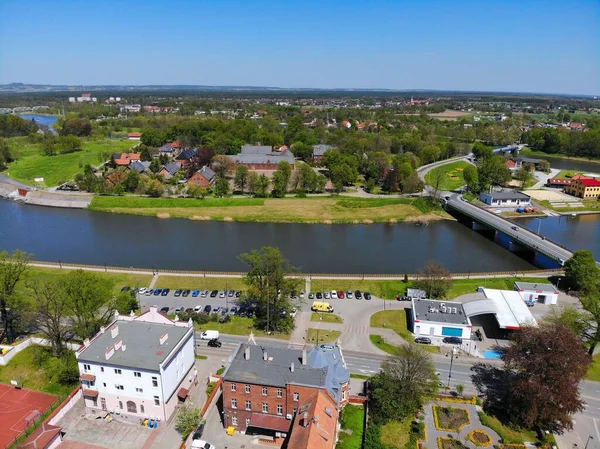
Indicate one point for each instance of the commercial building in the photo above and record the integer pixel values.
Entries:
(505, 199)
(257, 157)
(507, 306)
(264, 388)
(138, 367)
(439, 319)
(540, 293)
(586, 188)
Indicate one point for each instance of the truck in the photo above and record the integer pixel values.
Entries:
(209, 335)
(321, 306)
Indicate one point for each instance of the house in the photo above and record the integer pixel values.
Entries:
(515, 163)
(556, 182)
(505, 198)
(260, 157)
(134, 136)
(203, 177)
(319, 151)
(170, 169)
(185, 156)
(346, 124)
(511, 164)
(264, 388)
(169, 148)
(138, 367)
(130, 108)
(315, 424)
(83, 98)
(573, 126)
(439, 319)
(586, 188)
(140, 166)
(540, 293)
(124, 159)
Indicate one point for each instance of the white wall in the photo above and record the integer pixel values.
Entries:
(531, 295)
(175, 368)
(426, 329)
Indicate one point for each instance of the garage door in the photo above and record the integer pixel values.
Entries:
(452, 332)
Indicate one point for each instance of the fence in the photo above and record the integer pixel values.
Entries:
(14, 350)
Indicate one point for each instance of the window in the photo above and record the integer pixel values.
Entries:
(102, 369)
(87, 367)
(248, 405)
(104, 384)
(117, 371)
(247, 388)
(265, 407)
(137, 374)
(141, 408)
(119, 387)
(264, 391)
(234, 420)
(121, 405)
(295, 410)
(234, 403)
(139, 390)
(155, 381)
(156, 400)
(329, 412)
(131, 407)
(233, 387)
(279, 409)
(279, 393)
(247, 422)
(296, 397)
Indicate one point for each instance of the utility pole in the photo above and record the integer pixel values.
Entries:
(451, 362)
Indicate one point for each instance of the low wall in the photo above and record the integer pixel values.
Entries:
(4, 359)
(65, 406)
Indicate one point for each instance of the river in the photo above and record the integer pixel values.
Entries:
(571, 164)
(88, 237)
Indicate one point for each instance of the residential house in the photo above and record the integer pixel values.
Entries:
(124, 159)
(259, 157)
(140, 166)
(130, 108)
(346, 124)
(515, 163)
(556, 182)
(264, 388)
(573, 126)
(203, 177)
(316, 423)
(138, 367)
(586, 188)
(134, 136)
(505, 198)
(319, 151)
(170, 169)
(185, 156)
(84, 98)
(169, 148)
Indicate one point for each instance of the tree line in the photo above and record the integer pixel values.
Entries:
(571, 143)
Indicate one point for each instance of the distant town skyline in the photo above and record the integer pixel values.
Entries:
(531, 46)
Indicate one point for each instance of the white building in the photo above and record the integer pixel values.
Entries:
(440, 319)
(505, 199)
(138, 367)
(83, 98)
(540, 293)
(506, 306)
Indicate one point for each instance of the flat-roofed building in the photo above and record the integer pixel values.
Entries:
(540, 293)
(439, 319)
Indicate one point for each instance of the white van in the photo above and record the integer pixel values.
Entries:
(209, 335)
(201, 444)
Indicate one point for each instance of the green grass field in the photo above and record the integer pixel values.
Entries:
(30, 163)
(451, 175)
(508, 435)
(238, 326)
(594, 371)
(588, 206)
(381, 344)
(320, 336)
(326, 317)
(199, 283)
(396, 434)
(353, 418)
(137, 202)
(568, 174)
(395, 320)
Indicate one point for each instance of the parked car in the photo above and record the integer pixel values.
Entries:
(179, 309)
(293, 294)
(222, 294)
(164, 309)
(185, 293)
(311, 295)
(149, 292)
(231, 293)
(207, 308)
(302, 294)
(358, 294)
(165, 291)
(201, 444)
(349, 294)
(195, 293)
(198, 309)
(189, 310)
(216, 309)
(453, 340)
(198, 432)
(326, 295)
(157, 291)
(238, 293)
(178, 292)
(214, 293)
(209, 335)
(142, 290)
(214, 343)
(423, 340)
(341, 294)
(125, 289)
(334, 294)
(204, 293)
(224, 310)
(233, 310)
(367, 295)
(294, 312)
(319, 295)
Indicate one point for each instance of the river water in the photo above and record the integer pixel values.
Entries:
(571, 164)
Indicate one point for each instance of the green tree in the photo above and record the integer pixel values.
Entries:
(471, 175)
(222, 165)
(153, 188)
(188, 418)
(152, 137)
(241, 178)
(197, 191)
(144, 153)
(221, 187)
(5, 156)
(582, 272)
(12, 268)
(269, 288)
(492, 171)
(435, 280)
(155, 166)
(522, 175)
(69, 144)
(125, 302)
(261, 186)
(460, 389)
(132, 181)
(76, 127)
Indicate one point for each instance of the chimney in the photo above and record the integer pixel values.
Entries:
(118, 345)
(86, 342)
(163, 338)
(304, 356)
(114, 332)
(123, 348)
(265, 355)
(247, 353)
(292, 367)
(109, 352)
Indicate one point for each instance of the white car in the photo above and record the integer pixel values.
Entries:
(333, 294)
(204, 294)
(302, 294)
(201, 444)
(293, 312)
(222, 294)
(326, 295)
(142, 290)
(198, 309)
(349, 294)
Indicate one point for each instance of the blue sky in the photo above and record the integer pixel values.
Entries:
(524, 46)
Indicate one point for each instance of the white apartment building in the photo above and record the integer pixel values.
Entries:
(138, 367)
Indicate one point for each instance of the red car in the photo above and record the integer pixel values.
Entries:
(341, 294)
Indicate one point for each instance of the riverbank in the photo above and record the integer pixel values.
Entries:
(323, 210)
(526, 151)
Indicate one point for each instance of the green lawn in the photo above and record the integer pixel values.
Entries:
(508, 435)
(396, 434)
(594, 371)
(55, 169)
(359, 376)
(381, 344)
(137, 202)
(568, 174)
(451, 175)
(323, 335)
(395, 320)
(238, 326)
(23, 367)
(381, 289)
(200, 283)
(588, 205)
(326, 317)
(353, 418)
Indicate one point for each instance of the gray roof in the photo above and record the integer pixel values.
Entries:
(508, 195)
(207, 173)
(319, 150)
(141, 339)
(260, 154)
(415, 293)
(439, 311)
(166, 148)
(529, 160)
(325, 367)
(172, 167)
(187, 154)
(139, 166)
(256, 149)
(547, 288)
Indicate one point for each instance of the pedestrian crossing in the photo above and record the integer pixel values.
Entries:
(355, 329)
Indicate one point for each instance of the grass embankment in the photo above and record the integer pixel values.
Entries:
(35, 375)
(283, 210)
(30, 163)
(396, 434)
(588, 206)
(353, 418)
(396, 321)
(326, 317)
(381, 344)
(529, 152)
(320, 336)
(594, 371)
(451, 175)
(508, 435)
(238, 326)
(568, 174)
(199, 283)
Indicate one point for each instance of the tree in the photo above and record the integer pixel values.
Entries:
(471, 176)
(342, 175)
(125, 302)
(153, 137)
(69, 144)
(144, 153)
(155, 166)
(221, 187)
(582, 272)
(153, 188)
(406, 381)
(222, 165)
(12, 268)
(522, 175)
(261, 185)
(132, 181)
(188, 418)
(76, 127)
(5, 156)
(241, 177)
(435, 280)
(269, 288)
(544, 366)
(52, 314)
(492, 171)
(88, 298)
(460, 389)
(437, 177)
(197, 191)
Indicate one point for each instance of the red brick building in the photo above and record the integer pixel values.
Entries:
(203, 177)
(265, 387)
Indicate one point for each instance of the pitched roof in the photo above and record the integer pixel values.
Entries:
(172, 167)
(207, 173)
(166, 148)
(319, 150)
(589, 182)
(41, 437)
(187, 154)
(134, 135)
(125, 158)
(139, 166)
(315, 423)
(260, 154)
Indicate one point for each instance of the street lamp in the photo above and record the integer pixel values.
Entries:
(453, 352)
(588, 441)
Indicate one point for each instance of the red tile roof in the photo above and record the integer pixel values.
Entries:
(590, 182)
(90, 393)
(86, 376)
(271, 422)
(182, 393)
(557, 181)
(135, 134)
(41, 437)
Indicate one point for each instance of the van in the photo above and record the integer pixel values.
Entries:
(209, 335)
(321, 306)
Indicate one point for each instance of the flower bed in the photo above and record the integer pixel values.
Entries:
(479, 438)
(450, 419)
(472, 400)
(449, 443)
(512, 446)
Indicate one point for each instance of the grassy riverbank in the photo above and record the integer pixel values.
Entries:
(451, 175)
(529, 152)
(338, 209)
(588, 206)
